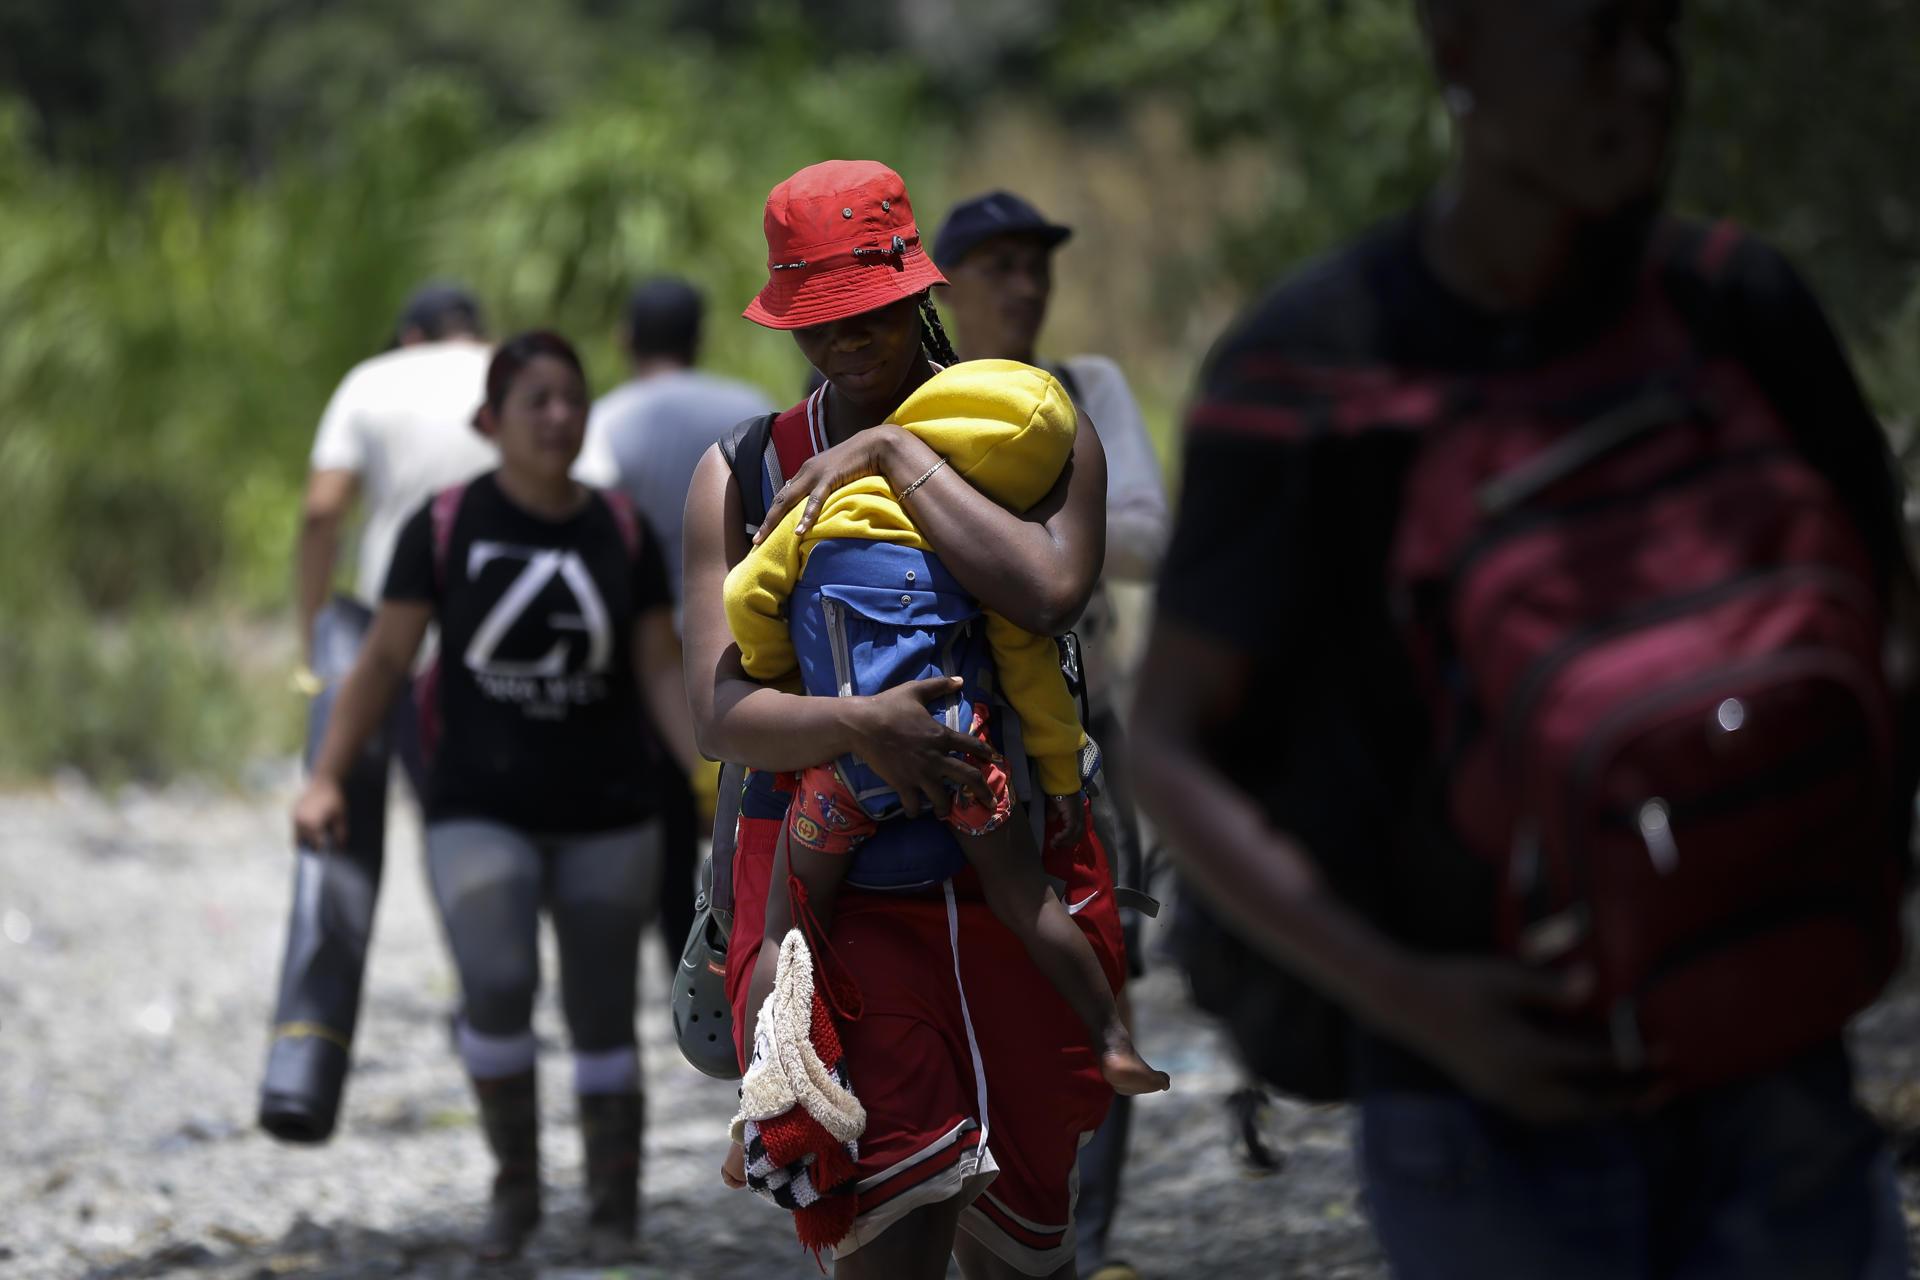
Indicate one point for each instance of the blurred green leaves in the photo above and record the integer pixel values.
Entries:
(210, 209)
(168, 344)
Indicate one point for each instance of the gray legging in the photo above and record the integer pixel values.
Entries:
(600, 888)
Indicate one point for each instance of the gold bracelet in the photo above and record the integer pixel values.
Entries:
(924, 477)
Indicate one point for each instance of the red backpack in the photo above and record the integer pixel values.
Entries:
(1652, 637)
(444, 511)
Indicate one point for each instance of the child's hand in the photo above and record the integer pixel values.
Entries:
(1066, 821)
(733, 1170)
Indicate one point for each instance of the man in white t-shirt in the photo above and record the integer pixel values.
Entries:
(645, 437)
(997, 251)
(398, 429)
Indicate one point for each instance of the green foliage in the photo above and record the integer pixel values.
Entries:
(210, 211)
(1797, 123)
(1800, 124)
(171, 349)
(170, 346)
(146, 698)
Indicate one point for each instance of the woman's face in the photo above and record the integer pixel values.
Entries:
(1577, 97)
(539, 425)
(868, 358)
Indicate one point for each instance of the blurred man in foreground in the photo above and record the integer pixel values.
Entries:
(398, 429)
(1532, 678)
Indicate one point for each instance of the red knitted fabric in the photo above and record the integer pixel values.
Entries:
(793, 1135)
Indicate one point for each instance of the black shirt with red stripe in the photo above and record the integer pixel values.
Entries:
(1307, 419)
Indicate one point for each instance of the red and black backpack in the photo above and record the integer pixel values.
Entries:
(1652, 639)
(1647, 632)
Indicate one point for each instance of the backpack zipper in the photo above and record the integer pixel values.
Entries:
(1540, 673)
(835, 617)
(1824, 759)
(1544, 932)
(1655, 407)
(1516, 523)
(1806, 664)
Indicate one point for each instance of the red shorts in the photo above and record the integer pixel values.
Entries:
(961, 1038)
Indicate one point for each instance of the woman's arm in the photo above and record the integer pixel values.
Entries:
(1038, 569)
(663, 684)
(320, 817)
(737, 720)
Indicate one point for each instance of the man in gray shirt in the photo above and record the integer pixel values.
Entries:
(648, 434)
(645, 437)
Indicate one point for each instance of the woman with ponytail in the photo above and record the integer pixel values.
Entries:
(975, 1077)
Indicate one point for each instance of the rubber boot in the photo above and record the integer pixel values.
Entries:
(610, 1126)
(510, 1117)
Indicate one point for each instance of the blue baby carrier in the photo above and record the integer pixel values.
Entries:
(899, 616)
(866, 616)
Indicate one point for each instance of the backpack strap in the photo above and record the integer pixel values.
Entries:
(444, 511)
(762, 452)
(624, 518)
(759, 468)
(1063, 371)
(799, 433)
(742, 448)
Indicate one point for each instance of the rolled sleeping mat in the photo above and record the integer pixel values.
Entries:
(334, 893)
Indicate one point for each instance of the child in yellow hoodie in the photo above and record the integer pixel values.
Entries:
(815, 607)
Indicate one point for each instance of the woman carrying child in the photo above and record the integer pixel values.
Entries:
(976, 1076)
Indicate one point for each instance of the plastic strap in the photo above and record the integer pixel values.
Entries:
(444, 511)
(966, 1016)
(629, 524)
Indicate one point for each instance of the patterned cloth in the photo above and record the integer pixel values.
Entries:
(798, 1117)
(828, 818)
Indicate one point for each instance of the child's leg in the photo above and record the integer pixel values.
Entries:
(1017, 890)
(815, 847)
(825, 824)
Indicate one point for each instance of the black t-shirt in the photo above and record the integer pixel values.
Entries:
(542, 722)
(1289, 513)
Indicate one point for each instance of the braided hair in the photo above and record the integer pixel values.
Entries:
(934, 334)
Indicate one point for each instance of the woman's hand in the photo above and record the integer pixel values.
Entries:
(873, 452)
(320, 815)
(914, 753)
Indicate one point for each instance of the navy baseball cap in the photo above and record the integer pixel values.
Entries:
(999, 213)
(434, 307)
(663, 317)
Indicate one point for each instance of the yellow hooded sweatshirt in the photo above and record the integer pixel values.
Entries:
(1008, 429)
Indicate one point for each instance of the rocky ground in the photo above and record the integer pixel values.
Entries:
(139, 943)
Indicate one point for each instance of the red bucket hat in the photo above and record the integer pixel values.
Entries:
(840, 240)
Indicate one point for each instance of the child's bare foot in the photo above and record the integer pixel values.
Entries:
(733, 1170)
(1129, 1074)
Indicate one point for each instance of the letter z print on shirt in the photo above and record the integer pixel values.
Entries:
(545, 679)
